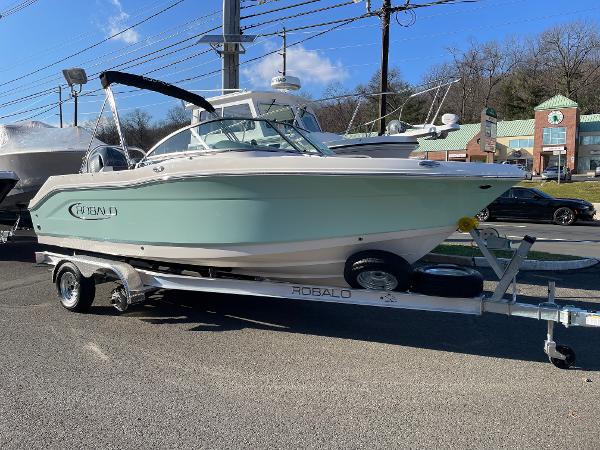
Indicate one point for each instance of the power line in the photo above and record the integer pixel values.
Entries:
(274, 51)
(57, 79)
(17, 8)
(172, 5)
(305, 13)
(305, 27)
(306, 2)
(29, 110)
(27, 97)
(77, 38)
(187, 80)
(40, 113)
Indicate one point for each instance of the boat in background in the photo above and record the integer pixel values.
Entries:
(35, 151)
(399, 141)
(241, 197)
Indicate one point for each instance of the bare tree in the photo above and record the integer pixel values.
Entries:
(571, 52)
(138, 129)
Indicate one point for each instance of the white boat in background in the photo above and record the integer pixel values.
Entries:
(35, 151)
(399, 141)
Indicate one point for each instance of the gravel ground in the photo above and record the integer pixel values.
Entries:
(213, 371)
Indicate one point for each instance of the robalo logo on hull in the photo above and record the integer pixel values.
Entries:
(92, 212)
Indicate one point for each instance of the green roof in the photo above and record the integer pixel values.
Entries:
(589, 123)
(458, 140)
(523, 127)
(557, 102)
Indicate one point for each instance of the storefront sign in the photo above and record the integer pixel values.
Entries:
(594, 152)
(551, 149)
(488, 134)
(457, 155)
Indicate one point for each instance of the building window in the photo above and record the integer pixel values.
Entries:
(594, 163)
(520, 143)
(589, 140)
(554, 136)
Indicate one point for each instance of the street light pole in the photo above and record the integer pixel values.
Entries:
(76, 77)
(75, 112)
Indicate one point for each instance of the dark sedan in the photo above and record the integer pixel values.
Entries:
(532, 204)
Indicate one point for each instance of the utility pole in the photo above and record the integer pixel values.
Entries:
(60, 105)
(231, 57)
(385, 13)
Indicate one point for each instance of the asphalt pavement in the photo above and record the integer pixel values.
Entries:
(215, 371)
(579, 239)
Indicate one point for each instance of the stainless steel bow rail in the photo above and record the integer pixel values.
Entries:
(136, 282)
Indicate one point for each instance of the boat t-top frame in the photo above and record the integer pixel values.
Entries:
(110, 77)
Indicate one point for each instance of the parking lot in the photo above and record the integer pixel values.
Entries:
(215, 371)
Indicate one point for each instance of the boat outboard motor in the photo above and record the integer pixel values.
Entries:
(111, 158)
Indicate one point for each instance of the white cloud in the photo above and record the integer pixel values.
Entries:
(117, 23)
(309, 65)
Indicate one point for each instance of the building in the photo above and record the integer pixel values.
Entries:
(557, 130)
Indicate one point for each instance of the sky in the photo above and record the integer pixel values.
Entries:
(38, 37)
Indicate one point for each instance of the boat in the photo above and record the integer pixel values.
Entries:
(400, 140)
(34, 151)
(8, 180)
(255, 197)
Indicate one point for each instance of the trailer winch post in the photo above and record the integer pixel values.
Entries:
(491, 258)
(509, 275)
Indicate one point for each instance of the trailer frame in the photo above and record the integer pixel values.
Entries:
(137, 281)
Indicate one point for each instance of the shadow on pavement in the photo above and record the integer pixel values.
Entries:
(23, 251)
(585, 279)
(489, 335)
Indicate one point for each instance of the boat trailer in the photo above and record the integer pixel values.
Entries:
(136, 282)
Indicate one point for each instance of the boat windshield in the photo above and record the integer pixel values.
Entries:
(238, 134)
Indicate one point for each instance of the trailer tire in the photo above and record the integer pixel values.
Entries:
(377, 270)
(75, 292)
(447, 280)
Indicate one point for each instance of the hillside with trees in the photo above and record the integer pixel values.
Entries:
(512, 76)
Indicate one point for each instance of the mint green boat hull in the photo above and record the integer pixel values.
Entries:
(240, 210)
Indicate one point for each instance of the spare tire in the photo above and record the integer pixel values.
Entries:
(447, 280)
(378, 270)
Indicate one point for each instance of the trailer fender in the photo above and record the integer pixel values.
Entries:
(90, 266)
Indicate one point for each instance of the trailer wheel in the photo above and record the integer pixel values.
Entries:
(75, 292)
(447, 280)
(564, 363)
(377, 270)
